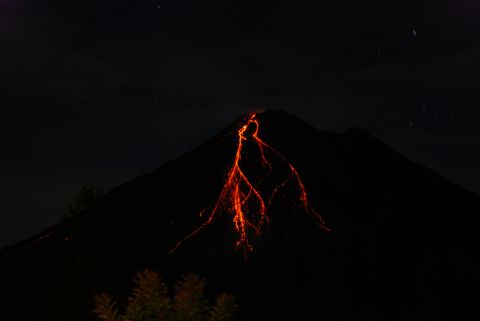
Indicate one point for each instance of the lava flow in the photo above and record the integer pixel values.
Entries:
(240, 198)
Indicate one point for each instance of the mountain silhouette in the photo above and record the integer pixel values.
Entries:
(402, 244)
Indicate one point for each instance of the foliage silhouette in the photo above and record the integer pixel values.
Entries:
(150, 301)
(86, 197)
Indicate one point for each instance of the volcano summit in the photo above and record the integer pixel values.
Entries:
(350, 230)
(240, 196)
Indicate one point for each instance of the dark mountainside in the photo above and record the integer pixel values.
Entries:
(402, 246)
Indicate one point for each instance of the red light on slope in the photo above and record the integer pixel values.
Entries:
(240, 197)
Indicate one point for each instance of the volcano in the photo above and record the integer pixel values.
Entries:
(395, 241)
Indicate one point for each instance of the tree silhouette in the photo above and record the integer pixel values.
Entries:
(150, 301)
(86, 197)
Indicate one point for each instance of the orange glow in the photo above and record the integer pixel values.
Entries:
(240, 198)
(39, 239)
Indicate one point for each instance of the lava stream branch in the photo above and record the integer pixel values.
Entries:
(240, 198)
(303, 196)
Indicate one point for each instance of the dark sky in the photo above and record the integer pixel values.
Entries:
(97, 92)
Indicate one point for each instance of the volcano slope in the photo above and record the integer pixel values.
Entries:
(401, 245)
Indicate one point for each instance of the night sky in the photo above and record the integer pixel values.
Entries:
(98, 92)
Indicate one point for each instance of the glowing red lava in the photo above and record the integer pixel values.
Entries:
(240, 198)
